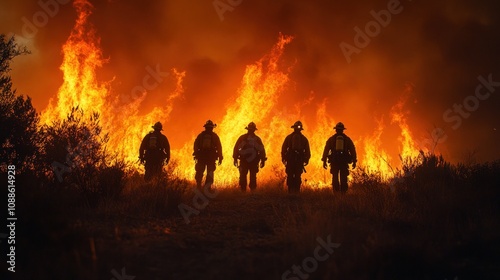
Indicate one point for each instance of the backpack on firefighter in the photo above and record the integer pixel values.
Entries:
(155, 147)
(205, 147)
(339, 152)
(250, 149)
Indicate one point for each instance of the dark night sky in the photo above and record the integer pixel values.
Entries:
(440, 48)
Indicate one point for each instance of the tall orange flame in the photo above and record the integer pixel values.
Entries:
(376, 160)
(409, 148)
(256, 100)
(81, 58)
(257, 96)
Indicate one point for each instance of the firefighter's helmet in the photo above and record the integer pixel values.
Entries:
(339, 126)
(157, 126)
(209, 124)
(251, 126)
(298, 125)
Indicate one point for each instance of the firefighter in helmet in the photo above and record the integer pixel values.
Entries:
(249, 150)
(154, 152)
(207, 150)
(339, 152)
(295, 154)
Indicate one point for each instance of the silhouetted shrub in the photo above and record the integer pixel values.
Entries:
(18, 118)
(74, 156)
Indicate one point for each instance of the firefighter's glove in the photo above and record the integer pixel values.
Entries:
(353, 165)
(262, 163)
(235, 162)
(325, 166)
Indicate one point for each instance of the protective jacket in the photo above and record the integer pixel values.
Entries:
(295, 148)
(339, 149)
(249, 148)
(155, 146)
(207, 146)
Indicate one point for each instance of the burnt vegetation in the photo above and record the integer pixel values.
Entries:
(84, 213)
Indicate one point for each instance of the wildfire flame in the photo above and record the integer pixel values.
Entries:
(122, 122)
(81, 57)
(257, 100)
(409, 148)
(260, 88)
(376, 160)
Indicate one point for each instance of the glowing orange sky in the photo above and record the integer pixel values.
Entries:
(439, 49)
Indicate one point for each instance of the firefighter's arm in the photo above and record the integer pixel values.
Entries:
(142, 150)
(326, 151)
(195, 147)
(263, 162)
(353, 153)
(141, 156)
(167, 150)
(263, 156)
(219, 149)
(307, 152)
(236, 151)
(284, 150)
(262, 153)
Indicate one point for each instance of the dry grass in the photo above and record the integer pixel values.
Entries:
(438, 222)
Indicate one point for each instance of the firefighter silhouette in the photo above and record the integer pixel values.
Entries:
(154, 152)
(249, 150)
(295, 154)
(207, 150)
(339, 152)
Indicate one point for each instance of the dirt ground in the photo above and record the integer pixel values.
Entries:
(267, 234)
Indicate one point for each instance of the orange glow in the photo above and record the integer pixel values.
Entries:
(260, 88)
(409, 149)
(257, 99)
(81, 58)
(375, 159)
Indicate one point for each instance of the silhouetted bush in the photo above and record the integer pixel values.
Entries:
(74, 156)
(18, 118)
